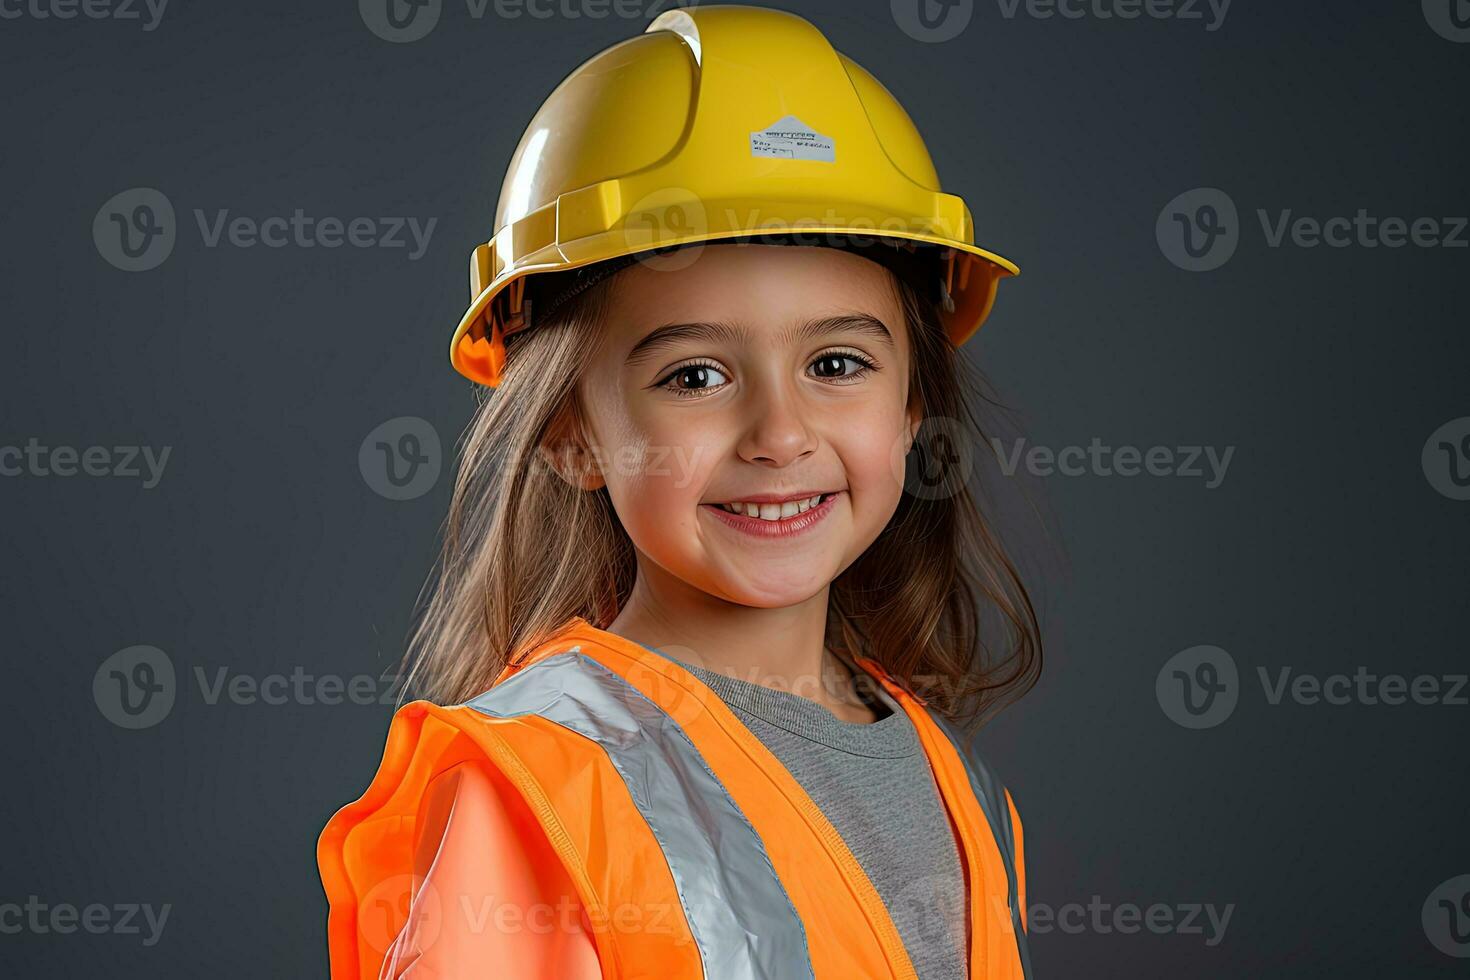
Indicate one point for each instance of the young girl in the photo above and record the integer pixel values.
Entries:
(704, 655)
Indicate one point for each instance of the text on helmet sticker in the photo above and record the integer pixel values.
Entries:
(792, 139)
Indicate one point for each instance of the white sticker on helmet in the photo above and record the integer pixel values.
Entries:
(792, 139)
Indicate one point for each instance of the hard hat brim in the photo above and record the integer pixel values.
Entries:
(479, 354)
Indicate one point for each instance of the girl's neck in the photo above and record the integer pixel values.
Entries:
(783, 649)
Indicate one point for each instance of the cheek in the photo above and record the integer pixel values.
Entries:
(656, 485)
(658, 463)
(870, 444)
(646, 457)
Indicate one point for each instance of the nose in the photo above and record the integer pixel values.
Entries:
(779, 430)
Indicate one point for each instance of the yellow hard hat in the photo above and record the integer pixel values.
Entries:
(718, 123)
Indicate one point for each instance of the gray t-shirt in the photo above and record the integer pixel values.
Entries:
(874, 783)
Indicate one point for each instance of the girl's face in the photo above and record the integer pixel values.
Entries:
(756, 373)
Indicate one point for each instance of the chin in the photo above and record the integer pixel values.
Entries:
(792, 589)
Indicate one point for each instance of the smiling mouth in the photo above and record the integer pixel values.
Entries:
(775, 512)
(788, 518)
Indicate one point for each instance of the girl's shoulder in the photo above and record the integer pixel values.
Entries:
(444, 825)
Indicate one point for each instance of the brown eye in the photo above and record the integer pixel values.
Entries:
(834, 366)
(692, 378)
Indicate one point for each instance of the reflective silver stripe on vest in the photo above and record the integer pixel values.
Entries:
(742, 920)
(991, 794)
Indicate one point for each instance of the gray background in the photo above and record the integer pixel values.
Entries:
(264, 550)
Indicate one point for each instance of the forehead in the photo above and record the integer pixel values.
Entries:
(764, 288)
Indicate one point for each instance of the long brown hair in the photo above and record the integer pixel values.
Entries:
(935, 599)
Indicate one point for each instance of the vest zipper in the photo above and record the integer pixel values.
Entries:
(868, 897)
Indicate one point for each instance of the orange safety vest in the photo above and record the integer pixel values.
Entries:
(633, 827)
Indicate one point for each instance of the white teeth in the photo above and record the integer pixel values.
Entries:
(773, 512)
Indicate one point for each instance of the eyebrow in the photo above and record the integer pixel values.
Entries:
(672, 334)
